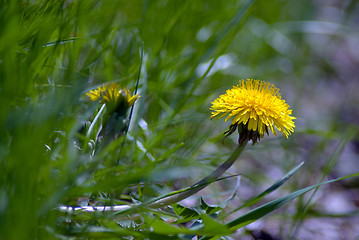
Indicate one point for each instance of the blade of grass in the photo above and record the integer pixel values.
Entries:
(267, 208)
(347, 137)
(263, 210)
(275, 186)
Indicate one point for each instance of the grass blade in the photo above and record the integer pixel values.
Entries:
(275, 186)
(263, 210)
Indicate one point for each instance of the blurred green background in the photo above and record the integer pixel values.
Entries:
(51, 52)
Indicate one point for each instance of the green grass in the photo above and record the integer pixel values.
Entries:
(52, 52)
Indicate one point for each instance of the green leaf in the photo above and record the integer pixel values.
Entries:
(212, 227)
(209, 209)
(161, 227)
(263, 210)
(184, 212)
(275, 186)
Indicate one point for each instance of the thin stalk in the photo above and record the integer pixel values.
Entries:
(201, 184)
(171, 197)
(95, 121)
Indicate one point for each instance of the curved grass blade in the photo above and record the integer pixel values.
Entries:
(263, 210)
(350, 133)
(275, 186)
(95, 121)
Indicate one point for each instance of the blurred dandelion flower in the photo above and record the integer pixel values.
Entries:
(117, 100)
(255, 106)
(112, 94)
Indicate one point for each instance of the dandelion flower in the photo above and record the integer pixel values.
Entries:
(255, 106)
(113, 95)
(117, 100)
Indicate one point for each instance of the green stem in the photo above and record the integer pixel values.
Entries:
(201, 184)
(95, 121)
(171, 197)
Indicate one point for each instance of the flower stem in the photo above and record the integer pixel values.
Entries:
(95, 121)
(171, 197)
(201, 184)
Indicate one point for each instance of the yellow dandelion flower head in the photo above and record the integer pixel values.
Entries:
(112, 94)
(255, 106)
